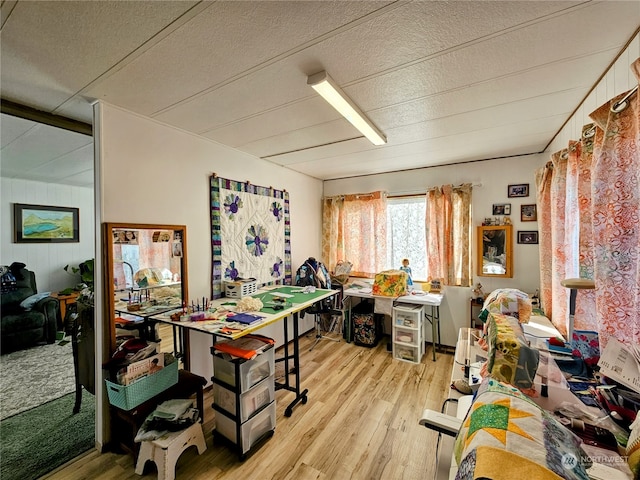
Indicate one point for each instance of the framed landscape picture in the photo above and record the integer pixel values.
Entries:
(528, 213)
(45, 224)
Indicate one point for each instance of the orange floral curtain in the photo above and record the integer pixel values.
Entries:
(448, 226)
(584, 313)
(615, 185)
(352, 224)
(543, 184)
(589, 214)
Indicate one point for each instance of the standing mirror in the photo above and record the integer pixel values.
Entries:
(146, 274)
(495, 251)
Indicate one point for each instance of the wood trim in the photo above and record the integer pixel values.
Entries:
(29, 113)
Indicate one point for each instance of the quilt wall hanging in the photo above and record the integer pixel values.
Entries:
(250, 234)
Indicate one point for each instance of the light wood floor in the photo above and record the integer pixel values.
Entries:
(361, 422)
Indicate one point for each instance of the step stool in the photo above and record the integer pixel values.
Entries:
(166, 450)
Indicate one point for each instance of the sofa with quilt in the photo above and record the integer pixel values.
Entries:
(27, 317)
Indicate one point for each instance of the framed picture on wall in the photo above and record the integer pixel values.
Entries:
(501, 209)
(527, 237)
(528, 213)
(520, 190)
(45, 224)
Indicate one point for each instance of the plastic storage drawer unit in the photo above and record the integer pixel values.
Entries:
(406, 353)
(406, 336)
(405, 315)
(250, 401)
(251, 431)
(251, 371)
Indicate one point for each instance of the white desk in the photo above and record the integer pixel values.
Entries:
(432, 300)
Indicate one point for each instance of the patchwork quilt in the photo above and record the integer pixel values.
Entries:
(505, 436)
(250, 234)
(510, 359)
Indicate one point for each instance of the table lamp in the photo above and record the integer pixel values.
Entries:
(575, 284)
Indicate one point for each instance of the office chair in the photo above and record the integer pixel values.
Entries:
(328, 317)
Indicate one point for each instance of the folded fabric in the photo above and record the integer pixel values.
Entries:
(509, 301)
(170, 416)
(29, 302)
(172, 409)
(510, 358)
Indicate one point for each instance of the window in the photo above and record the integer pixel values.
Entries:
(406, 235)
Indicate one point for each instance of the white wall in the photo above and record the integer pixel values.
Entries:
(47, 260)
(491, 178)
(153, 173)
(618, 79)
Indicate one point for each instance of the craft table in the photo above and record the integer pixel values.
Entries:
(296, 301)
(432, 300)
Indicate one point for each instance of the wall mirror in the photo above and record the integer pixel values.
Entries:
(146, 274)
(494, 255)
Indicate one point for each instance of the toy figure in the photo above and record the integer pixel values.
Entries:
(478, 294)
(407, 269)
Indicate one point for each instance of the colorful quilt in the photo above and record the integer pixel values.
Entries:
(510, 360)
(250, 234)
(506, 436)
(509, 301)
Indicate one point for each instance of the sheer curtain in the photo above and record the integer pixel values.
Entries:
(591, 195)
(351, 225)
(448, 225)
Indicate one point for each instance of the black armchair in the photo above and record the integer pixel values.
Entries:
(22, 327)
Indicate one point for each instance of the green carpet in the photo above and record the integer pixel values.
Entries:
(39, 440)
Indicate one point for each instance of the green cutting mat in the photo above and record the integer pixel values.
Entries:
(298, 297)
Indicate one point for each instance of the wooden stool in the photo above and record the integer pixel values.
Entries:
(166, 450)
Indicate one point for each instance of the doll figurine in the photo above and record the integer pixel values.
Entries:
(407, 269)
(478, 294)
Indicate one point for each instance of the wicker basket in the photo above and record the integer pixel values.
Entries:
(127, 397)
(340, 279)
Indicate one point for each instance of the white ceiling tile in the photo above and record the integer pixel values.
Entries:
(51, 50)
(446, 82)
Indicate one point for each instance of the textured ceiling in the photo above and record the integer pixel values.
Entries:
(446, 82)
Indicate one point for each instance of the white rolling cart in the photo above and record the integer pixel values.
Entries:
(407, 333)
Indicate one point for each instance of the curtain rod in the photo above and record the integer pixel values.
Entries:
(411, 193)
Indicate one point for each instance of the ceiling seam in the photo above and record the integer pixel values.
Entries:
(211, 129)
(410, 124)
(273, 60)
(367, 18)
(433, 166)
(151, 42)
(467, 44)
(6, 5)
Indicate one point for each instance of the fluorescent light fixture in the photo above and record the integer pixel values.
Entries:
(325, 86)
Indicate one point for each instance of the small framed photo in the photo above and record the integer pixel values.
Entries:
(527, 237)
(520, 190)
(502, 209)
(528, 213)
(45, 224)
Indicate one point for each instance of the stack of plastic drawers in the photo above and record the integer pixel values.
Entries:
(244, 399)
(408, 344)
